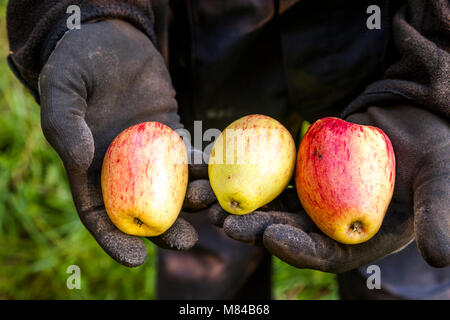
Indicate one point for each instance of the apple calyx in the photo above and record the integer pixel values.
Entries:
(234, 204)
(138, 221)
(356, 227)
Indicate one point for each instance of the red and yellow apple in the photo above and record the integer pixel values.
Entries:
(345, 176)
(144, 179)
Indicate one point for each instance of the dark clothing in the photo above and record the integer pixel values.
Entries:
(216, 268)
(404, 275)
(235, 57)
(288, 59)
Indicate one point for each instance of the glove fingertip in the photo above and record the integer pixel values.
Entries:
(274, 234)
(180, 236)
(216, 215)
(126, 249)
(248, 228)
(308, 250)
(434, 250)
(130, 252)
(287, 243)
(199, 195)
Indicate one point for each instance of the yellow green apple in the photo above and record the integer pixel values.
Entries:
(251, 163)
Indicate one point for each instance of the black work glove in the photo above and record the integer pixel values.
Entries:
(419, 208)
(98, 81)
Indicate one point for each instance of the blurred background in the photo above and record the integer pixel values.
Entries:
(41, 235)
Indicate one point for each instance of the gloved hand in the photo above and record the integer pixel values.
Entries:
(98, 81)
(419, 208)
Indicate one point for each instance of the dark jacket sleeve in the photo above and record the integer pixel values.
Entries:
(421, 76)
(35, 26)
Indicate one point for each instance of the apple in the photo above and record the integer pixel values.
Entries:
(345, 176)
(144, 179)
(251, 163)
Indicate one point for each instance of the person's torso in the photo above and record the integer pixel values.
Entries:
(286, 59)
(289, 59)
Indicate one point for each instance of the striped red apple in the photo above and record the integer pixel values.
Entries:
(144, 179)
(345, 176)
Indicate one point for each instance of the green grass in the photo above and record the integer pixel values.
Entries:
(41, 235)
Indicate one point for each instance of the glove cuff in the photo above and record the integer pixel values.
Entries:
(89, 12)
(27, 61)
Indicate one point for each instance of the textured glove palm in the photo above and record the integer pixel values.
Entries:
(98, 81)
